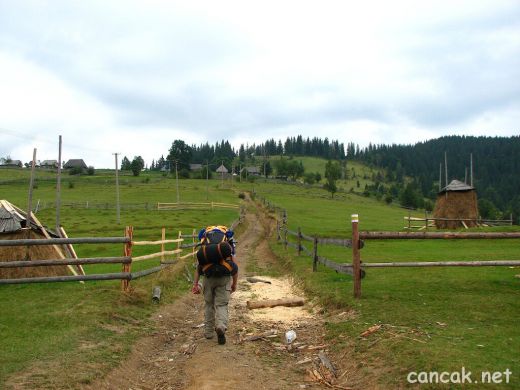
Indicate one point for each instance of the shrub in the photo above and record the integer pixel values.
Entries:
(75, 171)
(71, 184)
(91, 171)
(242, 195)
(184, 173)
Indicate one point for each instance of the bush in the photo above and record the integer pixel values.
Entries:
(91, 171)
(75, 171)
(242, 195)
(184, 173)
(71, 184)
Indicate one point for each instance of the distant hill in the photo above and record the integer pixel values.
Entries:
(496, 166)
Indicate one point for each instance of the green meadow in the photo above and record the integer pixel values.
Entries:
(433, 319)
(89, 328)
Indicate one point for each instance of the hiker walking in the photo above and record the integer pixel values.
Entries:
(216, 263)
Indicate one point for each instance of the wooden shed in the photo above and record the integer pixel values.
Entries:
(14, 226)
(456, 206)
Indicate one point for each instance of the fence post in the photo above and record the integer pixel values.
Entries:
(179, 246)
(129, 233)
(299, 240)
(356, 257)
(315, 255)
(285, 238)
(163, 237)
(193, 235)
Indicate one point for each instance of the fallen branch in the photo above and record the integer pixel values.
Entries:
(289, 302)
(257, 280)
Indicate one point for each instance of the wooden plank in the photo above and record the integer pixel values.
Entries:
(73, 278)
(158, 254)
(346, 242)
(288, 302)
(356, 256)
(436, 235)
(70, 248)
(75, 262)
(62, 241)
(160, 242)
(488, 263)
(55, 247)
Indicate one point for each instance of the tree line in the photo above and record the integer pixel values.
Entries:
(496, 164)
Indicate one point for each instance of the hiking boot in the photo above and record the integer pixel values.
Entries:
(221, 335)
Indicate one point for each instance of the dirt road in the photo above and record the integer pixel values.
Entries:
(177, 356)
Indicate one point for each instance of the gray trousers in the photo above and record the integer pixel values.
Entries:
(217, 291)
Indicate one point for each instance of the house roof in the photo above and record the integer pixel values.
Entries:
(13, 219)
(75, 163)
(222, 169)
(49, 162)
(10, 220)
(252, 169)
(457, 185)
(13, 162)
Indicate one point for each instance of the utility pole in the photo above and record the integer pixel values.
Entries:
(207, 179)
(177, 180)
(471, 169)
(31, 186)
(440, 177)
(446, 167)
(58, 190)
(222, 176)
(118, 212)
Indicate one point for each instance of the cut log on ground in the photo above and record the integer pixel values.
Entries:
(257, 280)
(290, 302)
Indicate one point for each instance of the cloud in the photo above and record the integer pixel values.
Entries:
(203, 71)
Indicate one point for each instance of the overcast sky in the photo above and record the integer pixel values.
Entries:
(132, 76)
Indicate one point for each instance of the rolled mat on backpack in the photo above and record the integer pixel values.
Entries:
(213, 253)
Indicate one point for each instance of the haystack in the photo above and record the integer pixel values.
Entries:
(14, 226)
(456, 202)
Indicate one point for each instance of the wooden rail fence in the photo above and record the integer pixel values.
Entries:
(126, 260)
(283, 234)
(192, 205)
(357, 269)
(357, 244)
(429, 222)
(182, 241)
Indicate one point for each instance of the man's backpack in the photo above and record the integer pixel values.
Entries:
(214, 252)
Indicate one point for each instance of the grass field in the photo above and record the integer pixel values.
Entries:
(433, 319)
(355, 172)
(88, 328)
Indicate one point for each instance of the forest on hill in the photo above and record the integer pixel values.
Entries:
(407, 173)
(496, 167)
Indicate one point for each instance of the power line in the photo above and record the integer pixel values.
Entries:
(47, 140)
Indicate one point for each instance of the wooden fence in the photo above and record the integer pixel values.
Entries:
(196, 206)
(126, 275)
(429, 222)
(283, 234)
(357, 269)
(183, 241)
(358, 244)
